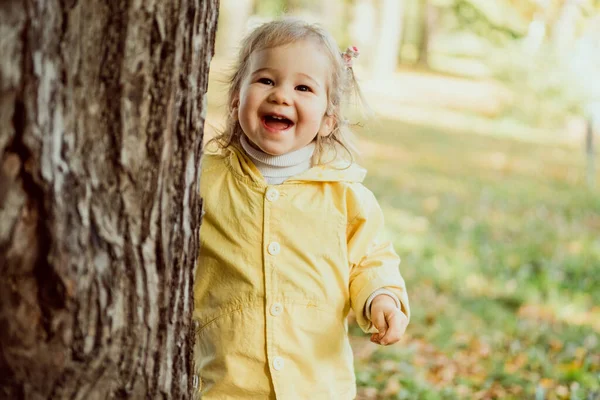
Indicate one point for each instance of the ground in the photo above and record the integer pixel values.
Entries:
(500, 240)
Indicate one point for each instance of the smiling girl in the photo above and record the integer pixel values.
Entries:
(291, 239)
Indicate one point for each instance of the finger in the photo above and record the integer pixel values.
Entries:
(380, 323)
(396, 328)
(391, 336)
(374, 338)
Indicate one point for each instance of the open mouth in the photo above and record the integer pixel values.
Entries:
(276, 122)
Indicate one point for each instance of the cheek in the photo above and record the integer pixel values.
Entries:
(316, 113)
(246, 107)
(243, 102)
(247, 96)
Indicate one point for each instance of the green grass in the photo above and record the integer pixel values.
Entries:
(500, 241)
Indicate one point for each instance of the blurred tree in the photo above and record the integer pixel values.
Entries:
(101, 118)
(498, 21)
(292, 4)
(565, 28)
(233, 17)
(268, 8)
(583, 64)
(335, 18)
(551, 72)
(387, 46)
(536, 34)
(362, 29)
(295, 5)
(428, 22)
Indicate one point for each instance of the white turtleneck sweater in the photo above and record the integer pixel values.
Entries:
(277, 169)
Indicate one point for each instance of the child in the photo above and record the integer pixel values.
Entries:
(290, 236)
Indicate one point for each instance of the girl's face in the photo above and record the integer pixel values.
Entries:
(283, 99)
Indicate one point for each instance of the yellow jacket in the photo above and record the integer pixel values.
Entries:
(279, 268)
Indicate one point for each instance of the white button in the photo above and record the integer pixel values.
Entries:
(278, 363)
(274, 248)
(276, 309)
(272, 194)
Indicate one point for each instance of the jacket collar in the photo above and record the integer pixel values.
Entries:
(337, 170)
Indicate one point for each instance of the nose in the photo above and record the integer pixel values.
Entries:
(280, 95)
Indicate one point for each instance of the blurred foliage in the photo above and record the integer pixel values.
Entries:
(551, 85)
(270, 8)
(501, 254)
(494, 20)
(488, 22)
(486, 39)
(548, 92)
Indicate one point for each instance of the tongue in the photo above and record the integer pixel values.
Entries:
(276, 124)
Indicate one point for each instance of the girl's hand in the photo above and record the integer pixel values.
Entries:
(388, 319)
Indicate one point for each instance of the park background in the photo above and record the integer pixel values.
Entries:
(480, 148)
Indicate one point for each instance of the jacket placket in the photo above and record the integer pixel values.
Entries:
(271, 255)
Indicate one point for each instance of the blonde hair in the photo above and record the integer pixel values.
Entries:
(342, 85)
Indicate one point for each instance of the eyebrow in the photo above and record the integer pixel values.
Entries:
(267, 69)
(310, 78)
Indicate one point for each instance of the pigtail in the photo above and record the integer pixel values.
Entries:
(352, 88)
(348, 93)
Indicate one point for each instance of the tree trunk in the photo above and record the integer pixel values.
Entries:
(593, 123)
(387, 48)
(428, 22)
(101, 119)
(564, 30)
(233, 15)
(363, 31)
(335, 18)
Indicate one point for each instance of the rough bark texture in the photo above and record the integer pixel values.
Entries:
(101, 118)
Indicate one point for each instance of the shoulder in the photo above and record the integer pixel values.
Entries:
(213, 160)
(213, 167)
(360, 200)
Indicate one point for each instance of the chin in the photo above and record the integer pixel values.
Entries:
(274, 150)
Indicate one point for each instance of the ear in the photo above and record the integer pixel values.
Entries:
(235, 103)
(327, 125)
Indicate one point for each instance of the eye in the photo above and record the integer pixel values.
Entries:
(266, 81)
(303, 88)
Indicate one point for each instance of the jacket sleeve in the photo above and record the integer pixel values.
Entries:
(373, 262)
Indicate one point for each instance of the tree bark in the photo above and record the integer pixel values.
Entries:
(102, 106)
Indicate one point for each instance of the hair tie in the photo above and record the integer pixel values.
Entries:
(348, 56)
